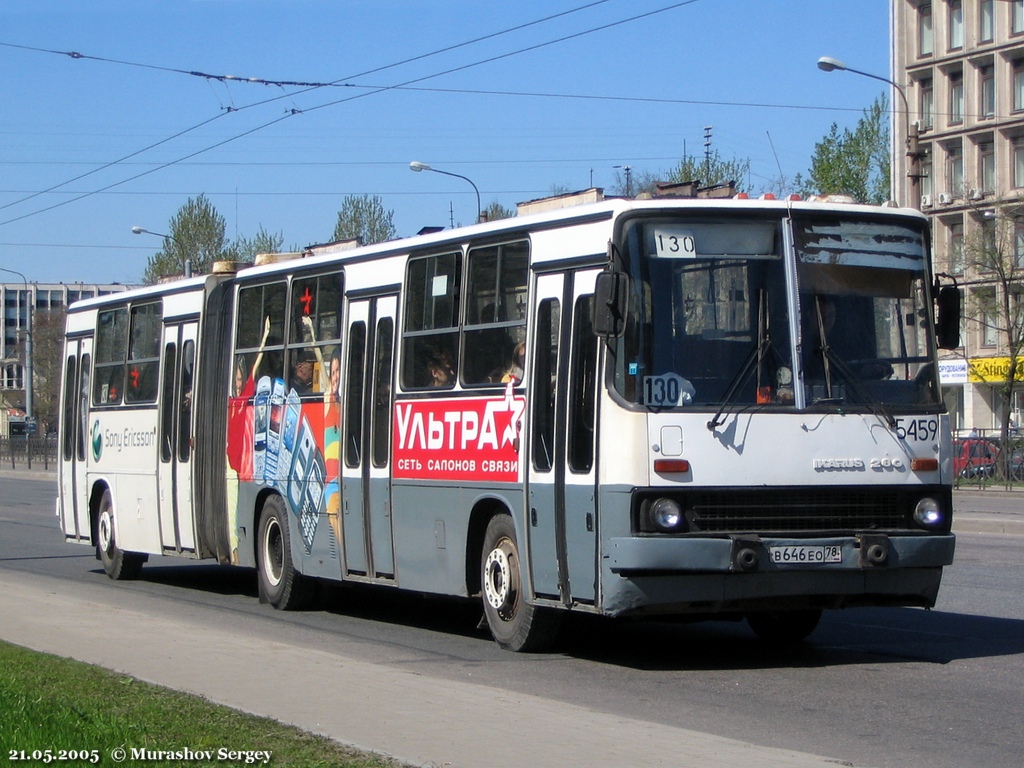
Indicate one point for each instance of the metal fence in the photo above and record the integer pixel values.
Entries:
(28, 452)
(982, 459)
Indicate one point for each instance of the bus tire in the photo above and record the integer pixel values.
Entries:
(119, 565)
(280, 584)
(515, 624)
(784, 627)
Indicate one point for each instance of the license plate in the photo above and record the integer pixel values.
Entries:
(806, 555)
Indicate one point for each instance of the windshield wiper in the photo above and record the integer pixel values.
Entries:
(880, 410)
(755, 356)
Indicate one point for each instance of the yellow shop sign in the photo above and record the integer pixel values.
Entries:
(992, 370)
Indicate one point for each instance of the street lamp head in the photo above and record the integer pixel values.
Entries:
(828, 64)
(417, 166)
(137, 230)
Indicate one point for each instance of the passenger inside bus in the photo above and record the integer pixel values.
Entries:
(301, 379)
(441, 370)
(513, 371)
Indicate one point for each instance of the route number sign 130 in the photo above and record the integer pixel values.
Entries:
(674, 243)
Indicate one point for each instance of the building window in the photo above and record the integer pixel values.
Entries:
(989, 241)
(956, 98)
(1018, 242)
(1018, 162)
(924, 30)
(988, 314)
(956, 25)
(955, 169)
(1018, 86)
(926, 170)
(987, 92)
(987, 167)
(927, 104)
(1017, 17)
(956, 246)
(986, 24)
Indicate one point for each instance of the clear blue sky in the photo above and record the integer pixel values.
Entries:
(632, 93)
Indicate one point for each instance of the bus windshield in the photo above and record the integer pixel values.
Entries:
(710, 322)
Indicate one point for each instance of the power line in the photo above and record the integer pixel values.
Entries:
(361, 95)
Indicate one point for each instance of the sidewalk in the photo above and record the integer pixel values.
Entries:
(388, 709)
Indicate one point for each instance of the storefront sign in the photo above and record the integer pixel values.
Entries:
(993, 370)
(952, 372)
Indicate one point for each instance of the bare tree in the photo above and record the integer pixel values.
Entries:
(47, 355)
(993, 259)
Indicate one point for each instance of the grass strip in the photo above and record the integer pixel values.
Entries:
(51, 703)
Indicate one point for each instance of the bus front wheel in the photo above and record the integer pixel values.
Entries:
(119, 565)
(280, 584)
(515, 624)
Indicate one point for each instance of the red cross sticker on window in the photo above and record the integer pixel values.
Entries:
(307, 302)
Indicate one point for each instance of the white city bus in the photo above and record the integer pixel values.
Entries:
(670, 407)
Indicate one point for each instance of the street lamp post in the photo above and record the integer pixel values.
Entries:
(28, 348)
(417, 166)
(187, 262)
(829, 64)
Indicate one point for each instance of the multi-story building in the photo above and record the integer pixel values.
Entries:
(960, 64)
(19, 298)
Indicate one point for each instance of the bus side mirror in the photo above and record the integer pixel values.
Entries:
(947, 329)
(611, 298)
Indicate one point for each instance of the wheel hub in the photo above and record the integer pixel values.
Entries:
(500, 579)
(106, 530)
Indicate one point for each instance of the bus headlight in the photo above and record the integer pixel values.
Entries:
(667, 515)
(928, 513)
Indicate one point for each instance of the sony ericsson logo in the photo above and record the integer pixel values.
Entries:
(97, 440)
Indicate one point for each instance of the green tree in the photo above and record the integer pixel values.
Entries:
(196, 233)
(496, 211)
(364, 217)
(855, 163)
(703, 171)
(248, 248)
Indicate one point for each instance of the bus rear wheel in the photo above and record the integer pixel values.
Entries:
(784, 627)
(119, 565)
(515, 624)
(280, 584)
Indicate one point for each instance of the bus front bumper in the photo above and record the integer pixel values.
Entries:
(652, 574)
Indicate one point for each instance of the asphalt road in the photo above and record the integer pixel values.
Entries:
(873, 687)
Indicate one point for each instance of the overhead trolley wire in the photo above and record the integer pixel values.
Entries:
(372, 92)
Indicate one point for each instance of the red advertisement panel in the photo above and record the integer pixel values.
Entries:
(465, 439)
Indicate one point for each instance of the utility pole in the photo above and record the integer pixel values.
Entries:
(707, 154)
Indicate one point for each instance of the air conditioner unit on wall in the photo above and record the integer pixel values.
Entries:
(926, 201)
(976, 194)
(945, 198)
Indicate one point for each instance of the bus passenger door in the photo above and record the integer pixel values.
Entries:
(174, 473)
(366, 430)
(561, 467)
(75, 439)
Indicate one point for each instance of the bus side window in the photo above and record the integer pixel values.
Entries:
(188, 360)
(580, 447)
(498, 277)
(259, 333)
(431, 329)
(68, 413)
(545, 366)
(111, 348)
(354, 394)
(143, 354)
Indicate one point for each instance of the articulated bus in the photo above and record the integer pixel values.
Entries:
(667, 408)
